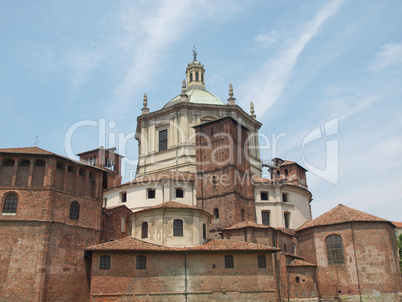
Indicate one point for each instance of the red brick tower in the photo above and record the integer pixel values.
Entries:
(106, 159)
(50, 212)
(224, 186)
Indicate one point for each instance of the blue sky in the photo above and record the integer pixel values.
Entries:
(305, 64)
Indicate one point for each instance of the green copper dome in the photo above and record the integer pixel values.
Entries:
(197, 96)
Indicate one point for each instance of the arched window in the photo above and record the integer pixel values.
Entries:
(334, 250)
(297, 279)
(191, 77)
(178, 228)
(242, 214)
(10, 203)
(216, 213)
(74, 210)
(197, 77)
(144, 230)
(204, 231)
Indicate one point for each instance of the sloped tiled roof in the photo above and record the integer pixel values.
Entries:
(176, 176)
(172, 205)
(245, 224)
(133, 244)
(257, 179)
(39, 151)
(397, 224)
(27, 150)
(341, 214)
(299, 262)
(288, 162)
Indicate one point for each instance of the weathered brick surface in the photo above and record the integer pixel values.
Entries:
(370, 259)
(115, 223)
(223, 172)
(42, 249)
(169, 276)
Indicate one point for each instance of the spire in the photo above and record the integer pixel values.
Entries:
(145, 109)
(184, 96)
(195, 52)
(195, 73)
(252, 111)
(231, 99)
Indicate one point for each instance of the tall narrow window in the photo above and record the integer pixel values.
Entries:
(191, 77)
(178, 228)
(334, 250)
(10, 203)
(265, 217)
(123, 196)
(163, 140)
(144, 230)
(285, 197)
(242, 215)
(262, 261)
(74, 210)
(104, 262)
(216, 213)
(179, 193)
(151, 193)
(141, 262)
(286, 217)
(204, 231)
(229, 263)
(197, 77)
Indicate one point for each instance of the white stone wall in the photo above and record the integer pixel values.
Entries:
(160, 226)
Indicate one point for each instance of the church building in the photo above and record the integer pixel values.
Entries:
(198, 223)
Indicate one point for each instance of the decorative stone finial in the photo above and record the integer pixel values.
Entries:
(145, 109)
(184, 96)
(194, 52)
(252, 111)
(231, 99)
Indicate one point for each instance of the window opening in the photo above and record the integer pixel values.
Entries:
(178, 228)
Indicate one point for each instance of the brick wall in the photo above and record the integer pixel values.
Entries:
(42, 249)
(369, 254)
(165, 277)
(112, 223)
(223, 172)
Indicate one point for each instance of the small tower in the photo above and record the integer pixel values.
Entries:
(252, 111)
(231, 99)
(195, 73)
(145, 109)
(183, 95)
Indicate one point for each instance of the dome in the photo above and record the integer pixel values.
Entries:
(197, 96)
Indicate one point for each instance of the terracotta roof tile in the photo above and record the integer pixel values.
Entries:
(298, 262)
(133, 244)
(397, 224)
(27, 150)
(149, 179)
(172, 205)
(340, 214)
(245, 224)
(257, 179)
(40, 151)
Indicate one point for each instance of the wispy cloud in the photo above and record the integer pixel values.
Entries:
(82, 63)
(267, 39)
(154, 31)
(389, 55)
(276, 73)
